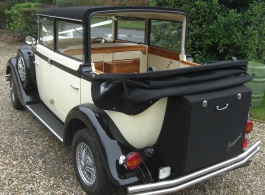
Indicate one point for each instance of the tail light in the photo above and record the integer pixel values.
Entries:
(249, 127)
(245, 143)
(133, 160)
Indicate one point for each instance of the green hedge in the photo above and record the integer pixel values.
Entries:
(3, 17)
(102, 2)
(22, 18)
(217, 32)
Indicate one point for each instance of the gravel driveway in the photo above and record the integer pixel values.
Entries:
(34, 161)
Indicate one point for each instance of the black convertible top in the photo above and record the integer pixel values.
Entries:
(133, 93)
(82, 13)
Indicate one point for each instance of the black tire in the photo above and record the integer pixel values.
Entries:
(13, 94)
(93, 184)
(23, 70)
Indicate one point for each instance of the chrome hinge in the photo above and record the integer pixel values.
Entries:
(239, 96)
(204, 103)
(170, 62)
(51, 101)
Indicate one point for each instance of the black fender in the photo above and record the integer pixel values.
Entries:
(107, 134)
(28, 55)
(25, 97)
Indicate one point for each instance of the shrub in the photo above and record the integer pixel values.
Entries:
(125, 2)
(102, 2)
(13, 2)
(255, 32)
(3, 18)
(23, 18)
(220, 29)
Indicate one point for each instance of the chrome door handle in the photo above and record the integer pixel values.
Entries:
(74, 87)
(217, 107)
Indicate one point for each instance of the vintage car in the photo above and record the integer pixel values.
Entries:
(137, 111)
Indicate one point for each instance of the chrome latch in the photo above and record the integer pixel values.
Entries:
(204, 103)
(169, 64)
(239, 96)
(74, 87)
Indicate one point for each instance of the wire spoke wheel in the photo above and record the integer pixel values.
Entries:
(88, 164)
(85, 164)
(21, 69)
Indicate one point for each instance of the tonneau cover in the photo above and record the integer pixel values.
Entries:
(133, 93)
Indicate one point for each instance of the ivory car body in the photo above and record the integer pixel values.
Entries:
(130, 101)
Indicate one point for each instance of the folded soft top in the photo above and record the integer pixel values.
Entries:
(133, 93)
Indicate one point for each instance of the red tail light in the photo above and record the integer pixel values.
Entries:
(133, 160)
(245, 143)
(249, 127)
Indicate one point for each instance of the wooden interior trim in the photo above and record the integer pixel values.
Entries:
(141, 48)
(163, 53)
(71, 52)
(99, 72)
(189, 63)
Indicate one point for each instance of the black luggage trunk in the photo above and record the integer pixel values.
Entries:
(203, 129)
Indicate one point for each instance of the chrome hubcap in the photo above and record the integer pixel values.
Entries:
(85, 164)
(21, 68)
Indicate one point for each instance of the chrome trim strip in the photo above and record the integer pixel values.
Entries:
(7, 77)
(61, 139)
(204, 173)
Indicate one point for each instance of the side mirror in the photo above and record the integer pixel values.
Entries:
(30, 40)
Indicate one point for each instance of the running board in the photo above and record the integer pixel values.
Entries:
(48, 119)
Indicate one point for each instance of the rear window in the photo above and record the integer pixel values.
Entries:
(166, 35)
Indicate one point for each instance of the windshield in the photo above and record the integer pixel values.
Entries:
(101, 27)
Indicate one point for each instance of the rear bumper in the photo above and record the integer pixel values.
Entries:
(170, 186)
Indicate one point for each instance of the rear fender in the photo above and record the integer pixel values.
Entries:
(107, 135)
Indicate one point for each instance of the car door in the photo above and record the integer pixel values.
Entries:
(58, 73)
(44, 51)
(65, 85)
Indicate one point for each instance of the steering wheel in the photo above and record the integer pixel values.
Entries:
(103, 40)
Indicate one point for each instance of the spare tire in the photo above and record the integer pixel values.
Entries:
(23, 68)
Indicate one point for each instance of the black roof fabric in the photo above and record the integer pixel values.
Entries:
(82, 13)
(133, 93)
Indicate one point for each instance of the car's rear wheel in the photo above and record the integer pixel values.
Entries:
(13, 93)
(89, 166)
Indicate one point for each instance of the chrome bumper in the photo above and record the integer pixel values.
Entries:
(170, 186)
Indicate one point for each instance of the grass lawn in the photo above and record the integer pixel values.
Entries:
(259, 112)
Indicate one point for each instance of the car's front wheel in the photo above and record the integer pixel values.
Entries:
(89, 166)
(13, 93)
